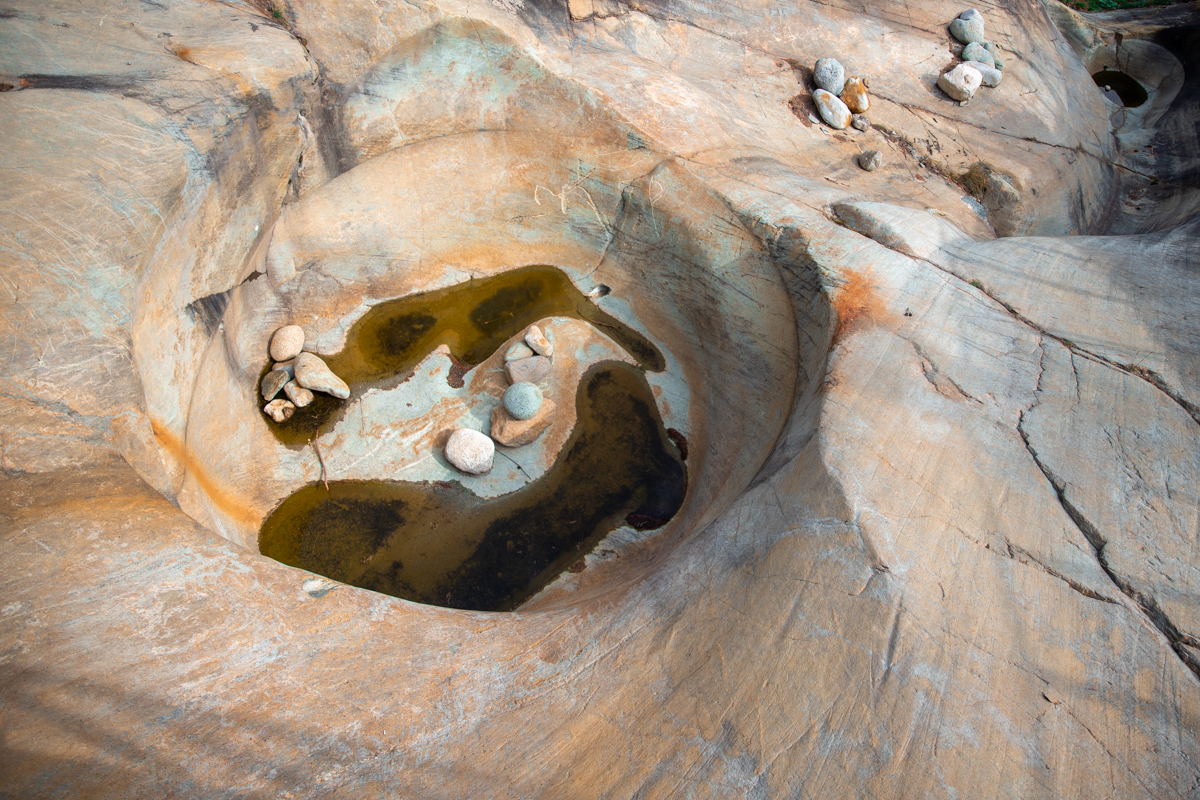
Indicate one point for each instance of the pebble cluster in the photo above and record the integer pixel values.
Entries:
(841, 101)
(981, 62)
(523, 414)
(297, 374)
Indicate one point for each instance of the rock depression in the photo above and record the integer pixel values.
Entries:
(940, 416)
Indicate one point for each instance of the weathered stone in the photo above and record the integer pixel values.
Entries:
(538, 341)
(297, 394)
(287, 343)
(512, 432)
(279, 410)
(990, 75)
(829, 75)
(968, 29)
(854, 95)
(961, 82)
(870, 160)
(528, 370)
(518, 351)
(523, 400)
(312, 373)
(273, 381)
(860, 122)
(470, 451)
(978, 53)
(995, 51)
(833, 110)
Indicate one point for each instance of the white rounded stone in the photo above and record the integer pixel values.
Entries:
(470, 451)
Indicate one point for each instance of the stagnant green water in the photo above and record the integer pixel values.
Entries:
(440, 544)
(472, 319)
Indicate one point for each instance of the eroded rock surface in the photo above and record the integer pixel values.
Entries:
(940, 532)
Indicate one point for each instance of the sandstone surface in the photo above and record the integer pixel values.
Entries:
(943, 458)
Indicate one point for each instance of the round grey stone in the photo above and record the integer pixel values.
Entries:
(522, 400)
(870, 160)
(470, 451)
(829, 75)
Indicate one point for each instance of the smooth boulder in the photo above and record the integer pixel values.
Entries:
(312, 373)
(829, 75)
(968, 27)
(977, 52)
(855, 96)
(512, 432)
(991, 75)
(523, 400)
(832, 110)
(538, 341)
(287, 343)
(297, 394)
(528, 370)
(961, 82)
(470, 451)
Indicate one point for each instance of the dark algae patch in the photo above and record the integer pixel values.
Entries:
(473, 319)
(440, 544)
(1130, 91)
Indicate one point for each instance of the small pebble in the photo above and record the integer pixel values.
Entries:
(518, 351)
(995, 51)
(297, 394)
(279, 410)
(470, 451)
(870, 160)
(522, 400)
(287, 343)
(538, 341)
(860, 122)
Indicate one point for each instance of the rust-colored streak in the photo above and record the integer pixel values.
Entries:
(856, 303)
(178, 451)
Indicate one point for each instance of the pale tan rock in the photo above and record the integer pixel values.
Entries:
(538, 341)
(313, 373)
(512, 432)
(528, 370)
(961, 82)
(832, 110)
(287, 343)
(297, 394)
(470, 451)
(280, 410)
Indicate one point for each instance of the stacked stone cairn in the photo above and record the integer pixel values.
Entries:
(523, 414)
(981, 62)
(297, 374)
(841, 101)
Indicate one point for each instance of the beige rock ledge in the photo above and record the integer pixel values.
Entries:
(940, 533)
